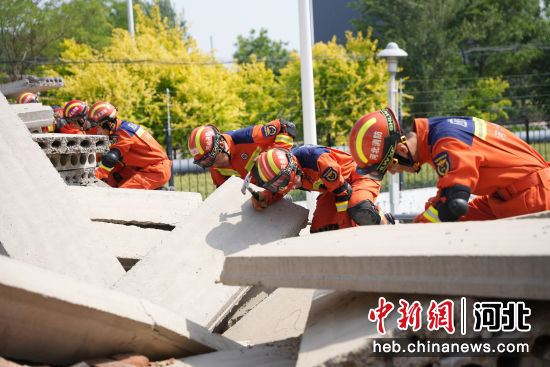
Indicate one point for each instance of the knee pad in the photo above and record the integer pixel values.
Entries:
(364, 213)
(456, 204)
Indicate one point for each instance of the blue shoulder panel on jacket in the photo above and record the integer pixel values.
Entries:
(241, 136)
(458, 127)
(129, 127)
(308, 155)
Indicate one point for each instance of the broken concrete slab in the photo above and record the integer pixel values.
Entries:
(79, 176)
(71, 143)
(146, 208)
(34, 115)
(49, 318)
(282, 315)
(181, 274)
(279, 354)
(72, 161)
(30, 83)
(492, 258)
(130, 243)
(40, 222)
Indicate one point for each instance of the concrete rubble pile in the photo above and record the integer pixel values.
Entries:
(94, 276)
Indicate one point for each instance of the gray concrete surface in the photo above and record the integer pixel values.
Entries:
(508, 258)
(79, 176)
(140, 207)
(71, 143)
(33, 84)
(281, 354)
(49, 318)
(282, 315)
(181, 274)
(40, 223)
(34, 115)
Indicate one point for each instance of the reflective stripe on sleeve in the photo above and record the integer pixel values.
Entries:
(342, 207)
(106, 168)
(252, 159)
(227, 172)
(284, 139)
(432, 215)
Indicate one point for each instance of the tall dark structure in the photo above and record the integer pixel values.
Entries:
(332, 18)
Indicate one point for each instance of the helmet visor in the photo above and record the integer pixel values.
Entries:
(279, 182)
(207, 160)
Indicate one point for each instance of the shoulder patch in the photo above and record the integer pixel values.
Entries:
(113, 139)
(330, 174)
(442, 164)
(269, 130)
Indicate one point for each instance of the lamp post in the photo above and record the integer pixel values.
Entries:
(392, 52)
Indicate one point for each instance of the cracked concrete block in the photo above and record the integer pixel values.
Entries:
(49, 318)
(53, 144)
(130, 241)
(182, 273)
(40, 223)
(279, 354)
(282, 315)
(508, 258)
(79, 176)
(145, 208)
(32, 84)
(34, 115)
(73, 161)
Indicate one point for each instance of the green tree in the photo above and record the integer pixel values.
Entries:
(349, 81)
(272, 52)
(451, 43)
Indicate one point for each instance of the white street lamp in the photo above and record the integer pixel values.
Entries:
(392, 52)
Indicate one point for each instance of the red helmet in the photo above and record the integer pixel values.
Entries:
(275, 169)
(204, 143)
(102, 113)
(75, 113)
(27, 97)
(373, 141)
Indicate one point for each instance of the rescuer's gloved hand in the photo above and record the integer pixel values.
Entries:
(262, 199)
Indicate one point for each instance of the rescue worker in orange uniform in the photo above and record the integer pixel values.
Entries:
(60, 124)
(145, 163)
(470, 156)
(346, 199)
(233, 153)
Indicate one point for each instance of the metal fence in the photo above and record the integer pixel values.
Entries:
(189, 177)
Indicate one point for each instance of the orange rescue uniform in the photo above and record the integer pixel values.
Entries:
(327, 170)
(143, 161)
(244, 146)
(508, 176)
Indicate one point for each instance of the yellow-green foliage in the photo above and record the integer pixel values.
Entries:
(485, 100)
(349, 82)
(202, 90)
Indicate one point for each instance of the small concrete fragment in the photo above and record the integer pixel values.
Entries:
(181, 274)
(40, 223)
(282, 315)
(34, 115)
(48, 318)
(79, 176)
(33, 84)
(147, 208)
(507, 258)
(71, 143)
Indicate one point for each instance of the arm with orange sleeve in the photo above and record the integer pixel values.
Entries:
(331, 175)
(114, 155)
(457, 166)
(278, 133)
(217, 178)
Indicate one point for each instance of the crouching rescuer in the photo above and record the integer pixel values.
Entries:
(135, 159)
(470, 156)
(346, 199)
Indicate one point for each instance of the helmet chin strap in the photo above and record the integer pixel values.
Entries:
(409, 161)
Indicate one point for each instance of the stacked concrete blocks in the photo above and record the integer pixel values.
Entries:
(74, 156)
(34, 115)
